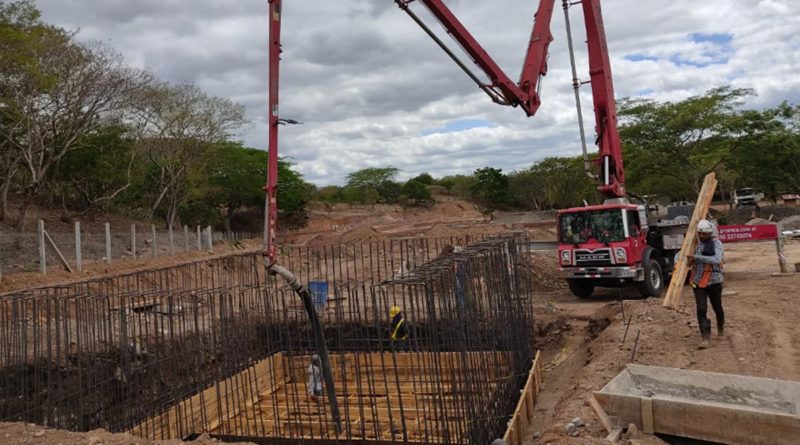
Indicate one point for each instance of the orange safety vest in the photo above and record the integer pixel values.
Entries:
(705, 277)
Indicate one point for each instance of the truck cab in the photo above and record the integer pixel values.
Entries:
(745, 197)
(615, 245)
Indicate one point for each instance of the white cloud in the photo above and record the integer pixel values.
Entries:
(367, 82)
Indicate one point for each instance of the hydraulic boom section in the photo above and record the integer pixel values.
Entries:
(525, 93)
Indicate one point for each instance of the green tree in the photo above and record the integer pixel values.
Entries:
(372, 185)
(102, 168)
(491, 189)
(235, 178)
(552, 183)
(417, 191)
(681, 140)
(329, 194)
(458, 185)
(176, 126)
(767, 153)
(54, 91)
(424, 178)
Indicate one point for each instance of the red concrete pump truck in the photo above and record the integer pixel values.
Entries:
(618, 243)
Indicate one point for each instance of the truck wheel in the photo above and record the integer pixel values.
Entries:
(581, 288)
(653, 282)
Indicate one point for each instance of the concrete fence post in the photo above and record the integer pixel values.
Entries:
(154, 244)
(78, 259)
(133, 240)
(781, 253)
(171, 241)
(186, 238)
(108, 243)
(42, 254)
(199, 239)
(208, 238)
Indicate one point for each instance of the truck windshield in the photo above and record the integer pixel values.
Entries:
(605, 226)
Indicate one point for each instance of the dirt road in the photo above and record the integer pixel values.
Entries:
(585, 342)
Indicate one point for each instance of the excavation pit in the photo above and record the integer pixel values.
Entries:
(391, 396)
(221, 347)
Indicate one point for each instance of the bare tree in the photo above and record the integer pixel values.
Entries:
(176, 124)
(9, 165)
(71, 89)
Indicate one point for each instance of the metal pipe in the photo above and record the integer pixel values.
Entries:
(576, 85)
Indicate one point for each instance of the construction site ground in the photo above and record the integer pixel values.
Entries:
(581, 340)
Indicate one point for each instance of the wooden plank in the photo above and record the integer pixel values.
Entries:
(520, 420)
(202, 412)
(58, 252)
(614, 435)
(673, 295)
(647, 415)
(601, 413)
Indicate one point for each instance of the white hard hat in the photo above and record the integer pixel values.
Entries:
(705, 226)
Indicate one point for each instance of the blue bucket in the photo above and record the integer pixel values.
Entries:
(319, 292)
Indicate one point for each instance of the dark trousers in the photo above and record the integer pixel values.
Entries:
(701, 296)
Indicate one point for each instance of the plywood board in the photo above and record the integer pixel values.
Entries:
(201, 412)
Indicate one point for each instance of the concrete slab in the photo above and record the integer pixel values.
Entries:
(705, 405)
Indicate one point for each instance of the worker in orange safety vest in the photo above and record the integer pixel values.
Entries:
(706, 280)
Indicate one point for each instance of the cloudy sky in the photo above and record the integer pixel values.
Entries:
(373, 90)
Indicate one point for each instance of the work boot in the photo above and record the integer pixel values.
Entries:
(721, 332)
(705, 344)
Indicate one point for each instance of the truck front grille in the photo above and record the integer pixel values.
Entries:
(599, 257)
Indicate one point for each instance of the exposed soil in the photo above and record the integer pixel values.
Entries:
(585, 343)
(30, 434)
(24, 280)
(585, 349)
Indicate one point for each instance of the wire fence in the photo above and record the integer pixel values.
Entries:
(220, 347)
(42, 249)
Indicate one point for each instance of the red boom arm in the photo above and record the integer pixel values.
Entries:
(524, 94)
(271, 210)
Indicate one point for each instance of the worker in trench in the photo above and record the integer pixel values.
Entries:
(706, 280)
(315, 378)
(398, 329)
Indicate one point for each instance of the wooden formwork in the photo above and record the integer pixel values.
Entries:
(523, 415)
(405, 396)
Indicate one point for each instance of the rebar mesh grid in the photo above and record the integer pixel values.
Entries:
(218, 346)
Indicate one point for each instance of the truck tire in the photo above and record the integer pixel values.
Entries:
(653, 283)
(581, 288)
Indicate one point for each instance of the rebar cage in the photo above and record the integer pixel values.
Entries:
(220, 347)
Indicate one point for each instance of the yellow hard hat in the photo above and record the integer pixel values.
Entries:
(394, 311)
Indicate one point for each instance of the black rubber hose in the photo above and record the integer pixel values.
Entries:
(319, 337)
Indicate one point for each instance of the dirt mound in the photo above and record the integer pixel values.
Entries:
(742, 215)
(757, 221)
(361, 234)
(778, 212)
(545, 275)
(27, 433)
(441, 231)
(790, 223)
